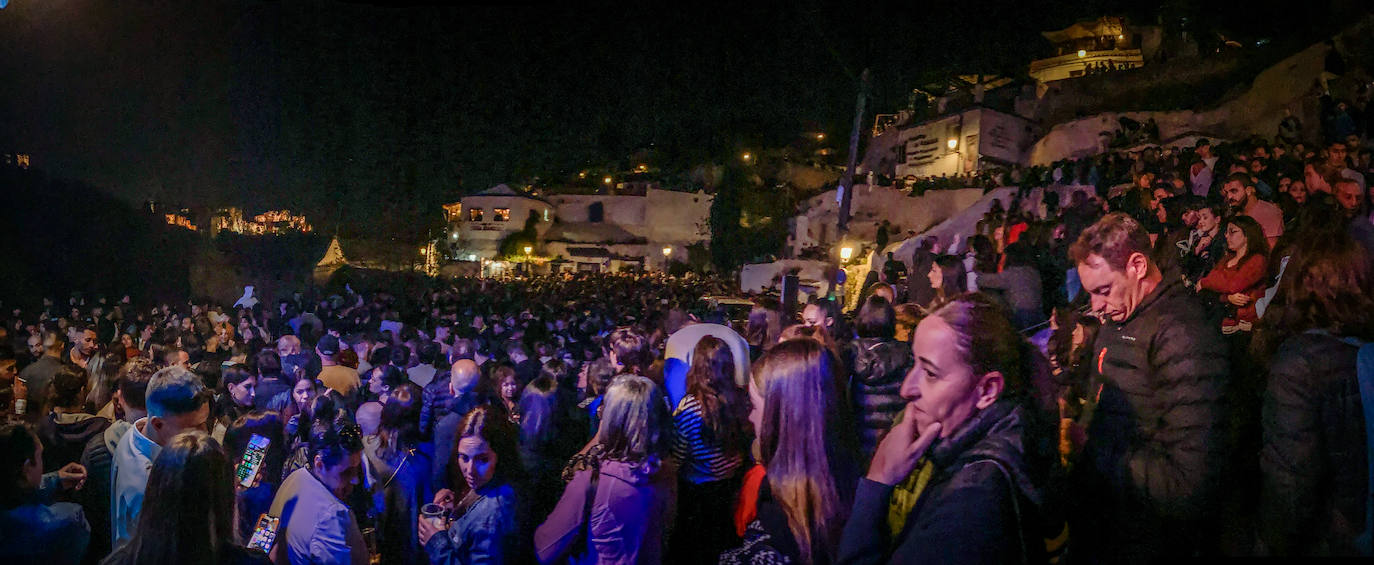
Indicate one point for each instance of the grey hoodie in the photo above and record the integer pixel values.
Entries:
(95, 496)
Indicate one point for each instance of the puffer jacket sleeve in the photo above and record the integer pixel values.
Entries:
(1176, 473)
(1291, 460)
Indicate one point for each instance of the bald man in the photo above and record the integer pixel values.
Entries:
(448, 412)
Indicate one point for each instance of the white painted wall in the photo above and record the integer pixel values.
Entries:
(870, 206)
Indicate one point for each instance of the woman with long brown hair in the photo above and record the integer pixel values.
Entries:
(483, 526)
(1238, 279)
(1313, 472)
(711, 444)
(795, 503)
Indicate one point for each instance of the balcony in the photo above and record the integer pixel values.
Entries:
(1074, 65)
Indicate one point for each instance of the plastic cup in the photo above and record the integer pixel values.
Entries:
(435, 513)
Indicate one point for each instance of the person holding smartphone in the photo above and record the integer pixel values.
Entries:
(317, 526)
(189, 508)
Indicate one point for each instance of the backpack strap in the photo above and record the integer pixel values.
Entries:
(1364, 542)
(587, 507)
(1015, 505)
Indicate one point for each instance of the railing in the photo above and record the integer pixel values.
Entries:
(1132, 56)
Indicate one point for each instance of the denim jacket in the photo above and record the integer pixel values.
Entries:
(483, 534)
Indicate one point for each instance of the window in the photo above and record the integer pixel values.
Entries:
(501, 214)
(596, 213)
(475, 215)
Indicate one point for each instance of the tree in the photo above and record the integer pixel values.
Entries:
(725, 217)
(514, 244)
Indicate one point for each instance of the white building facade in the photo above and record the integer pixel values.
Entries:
(588, 232)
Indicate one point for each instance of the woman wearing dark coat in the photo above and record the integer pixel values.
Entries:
(880, 364)
(1314, 473)
(962, 478)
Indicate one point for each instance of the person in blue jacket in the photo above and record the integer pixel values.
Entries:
(33, 528)
(481, 515)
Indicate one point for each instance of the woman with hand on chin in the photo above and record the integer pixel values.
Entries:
(961, 477)
(483, 512)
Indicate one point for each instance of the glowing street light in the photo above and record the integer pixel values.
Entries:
(747, 156)
(606, 180)
(1082, 53)
(846, 252)
(820, 137)
(582, 174)
(952, 143)
(667, 251)
(528, 249)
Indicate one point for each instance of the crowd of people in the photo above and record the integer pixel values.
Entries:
(1209, 324)
(1173, 371)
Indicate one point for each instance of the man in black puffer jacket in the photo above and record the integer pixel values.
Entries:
(880, 364)
(1156, 431)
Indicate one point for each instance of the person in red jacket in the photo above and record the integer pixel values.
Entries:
(1239, 278)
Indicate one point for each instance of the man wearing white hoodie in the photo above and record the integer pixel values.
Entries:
(176, 402)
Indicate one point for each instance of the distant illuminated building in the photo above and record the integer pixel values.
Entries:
(227, 219)
(181, 221)
(20, 160)
(453, 212)
(271, 222)
(276, 222)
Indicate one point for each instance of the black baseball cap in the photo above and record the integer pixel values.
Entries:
(328, 345)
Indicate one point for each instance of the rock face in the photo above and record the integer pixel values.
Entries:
(871, 205)
(1257, 111)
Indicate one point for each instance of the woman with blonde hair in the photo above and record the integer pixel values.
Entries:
(616, 506)
(795, 503)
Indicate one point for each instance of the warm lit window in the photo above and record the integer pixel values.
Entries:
(475, 215)
(501, 214)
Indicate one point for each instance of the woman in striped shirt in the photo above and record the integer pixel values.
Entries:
(711, 443)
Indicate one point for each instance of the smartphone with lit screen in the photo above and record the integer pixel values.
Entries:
(248, 467)
(265, 534)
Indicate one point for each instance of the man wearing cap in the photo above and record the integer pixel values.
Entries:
(332, 374)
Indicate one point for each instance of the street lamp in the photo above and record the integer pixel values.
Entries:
(952, 143)
(747, 156)
(527, 259)
(606, 180)
(846, 252)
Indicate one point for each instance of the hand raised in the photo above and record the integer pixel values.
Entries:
(899, 452)
(72, 476)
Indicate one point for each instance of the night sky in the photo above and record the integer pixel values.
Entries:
(366, 116)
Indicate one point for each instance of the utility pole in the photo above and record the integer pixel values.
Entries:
(846, 189)
(847, 181)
